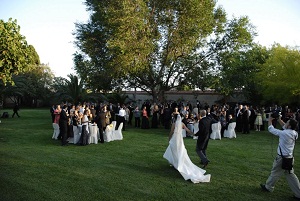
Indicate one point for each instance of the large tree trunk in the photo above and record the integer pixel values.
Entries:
(158, 96)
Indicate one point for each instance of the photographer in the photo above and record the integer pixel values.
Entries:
(287, 138)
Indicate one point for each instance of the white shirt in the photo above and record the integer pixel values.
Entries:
(85, 120)
(122, 112)
(287, 138)
(239, 111)
(81, 110)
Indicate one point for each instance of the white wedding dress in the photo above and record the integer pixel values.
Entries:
(177, 156)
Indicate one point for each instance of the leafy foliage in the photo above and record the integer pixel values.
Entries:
(280, 75)
(16, 56)
(30, 87)
(73, 90)
(239, 72)
(117, 98)
(156, 45)
(69, 90)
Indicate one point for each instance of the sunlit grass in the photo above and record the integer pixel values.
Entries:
(35, 167)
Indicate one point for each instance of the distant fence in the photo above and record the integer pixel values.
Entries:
(139, 97)
(209, 97)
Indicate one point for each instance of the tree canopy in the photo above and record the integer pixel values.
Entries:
(156, 45)
(238, 72)
(280, 75)
(29, 87)
(16, 56)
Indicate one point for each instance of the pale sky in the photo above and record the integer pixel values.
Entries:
(48, 24)
(275, 20)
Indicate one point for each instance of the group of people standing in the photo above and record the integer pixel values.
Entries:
(249, 118)
(66, 116)
(255, 118)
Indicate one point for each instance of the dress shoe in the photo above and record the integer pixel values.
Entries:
(208, 161)
(205, 164)
(263, 187)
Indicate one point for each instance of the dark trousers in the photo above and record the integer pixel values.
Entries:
(130, 118)
(202, 154)
(121, 120)
(239, 124)
(167, 124)
(63, 132)
(246, 127)
(101, 129)
(222, 130)
(15, 112)
(137, 122)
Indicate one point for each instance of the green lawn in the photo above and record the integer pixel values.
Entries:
(35, 167)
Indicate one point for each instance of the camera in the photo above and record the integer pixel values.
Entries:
(276, 114)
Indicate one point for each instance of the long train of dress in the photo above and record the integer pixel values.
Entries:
(177, 156)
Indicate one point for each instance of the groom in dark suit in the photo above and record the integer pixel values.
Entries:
(203, 137)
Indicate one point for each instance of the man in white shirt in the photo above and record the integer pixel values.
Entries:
(287, 139)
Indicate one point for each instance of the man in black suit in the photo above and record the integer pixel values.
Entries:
(211, 115)
(63, 125)
(238, 118)
(167, 117)
(203, 137)
(100, 121)
(245, 120)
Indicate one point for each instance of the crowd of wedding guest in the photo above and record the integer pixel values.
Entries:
(160, 115)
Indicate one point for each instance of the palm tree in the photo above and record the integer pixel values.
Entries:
(69, 90)
(73, 90)
(14, 91)
(117, 98)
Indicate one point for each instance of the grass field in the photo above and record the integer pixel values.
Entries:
(35, 167)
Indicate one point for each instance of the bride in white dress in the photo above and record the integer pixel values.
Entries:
(177, 156)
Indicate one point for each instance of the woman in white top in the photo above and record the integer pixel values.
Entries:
(85, 129)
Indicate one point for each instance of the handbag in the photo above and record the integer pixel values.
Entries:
(287, 163)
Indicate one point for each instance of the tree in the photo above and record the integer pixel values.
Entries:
(37, 88)
(73, 90)
(96, 79)
(156, 45)
(16, 56)
(15, 91)
(280, 75)
(239, 72)
(30, 87)
(117, 98)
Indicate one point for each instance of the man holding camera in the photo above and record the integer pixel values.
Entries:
(287, 139)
